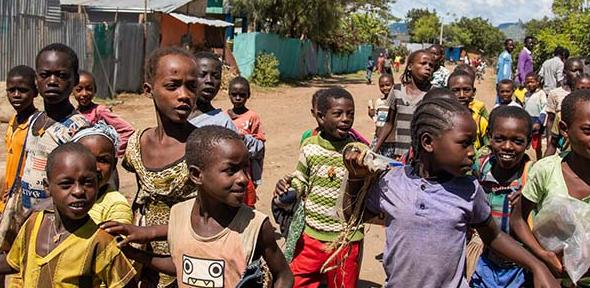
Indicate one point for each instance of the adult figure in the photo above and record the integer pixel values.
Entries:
(441, 74)
(552, 69)
(525, 60)
(380, 62)
(387, 65)
(504, 66)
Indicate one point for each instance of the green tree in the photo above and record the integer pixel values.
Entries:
(412, 18)
(475, 34)
(426, 29)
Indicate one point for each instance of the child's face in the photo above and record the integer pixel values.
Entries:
(436, 54)
(72, 185)
(225, 177)
(55, 78)
(238, 95)
(174, 87)
(583, 83)
(532, 84)
(462, 87)
(453, 150)
(84, 91)
(509, 141)
(505, 92)
(104, 151)
(385, 85)
(20, 92)
(578, 131)
(209, 79)
(422, 68)
(573, 71)
(338, 119)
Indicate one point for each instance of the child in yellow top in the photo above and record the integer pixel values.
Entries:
(65, 248)
(103, 141)
(21, 91)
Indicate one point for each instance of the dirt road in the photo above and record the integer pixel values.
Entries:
(285, 113)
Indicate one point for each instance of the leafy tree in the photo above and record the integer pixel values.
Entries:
(426, 29)
(475, 34)
(412, 18)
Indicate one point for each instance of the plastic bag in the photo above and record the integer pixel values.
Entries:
(563, 224)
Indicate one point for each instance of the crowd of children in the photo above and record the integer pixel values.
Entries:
(464, 180)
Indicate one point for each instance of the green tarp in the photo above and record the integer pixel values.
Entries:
(297, 58)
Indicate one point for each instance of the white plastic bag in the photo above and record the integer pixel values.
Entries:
(563, 224)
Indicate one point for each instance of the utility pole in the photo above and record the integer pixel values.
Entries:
(440, 40)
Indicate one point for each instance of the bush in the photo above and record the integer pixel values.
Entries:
(266, 70)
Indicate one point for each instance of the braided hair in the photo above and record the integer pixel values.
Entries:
(406, 77)
(433, 116)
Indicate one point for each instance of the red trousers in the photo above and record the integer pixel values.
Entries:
(311, 254)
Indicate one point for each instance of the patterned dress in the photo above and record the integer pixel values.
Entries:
(158, 190)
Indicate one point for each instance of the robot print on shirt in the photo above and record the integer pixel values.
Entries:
(202, 273)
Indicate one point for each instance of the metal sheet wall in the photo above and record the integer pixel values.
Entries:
(24, 30)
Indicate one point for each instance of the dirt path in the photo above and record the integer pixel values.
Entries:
(285, 115)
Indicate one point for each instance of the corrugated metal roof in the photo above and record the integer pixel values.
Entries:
(131, 6)
(192, 20)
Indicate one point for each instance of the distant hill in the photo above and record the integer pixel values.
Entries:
(513, 30)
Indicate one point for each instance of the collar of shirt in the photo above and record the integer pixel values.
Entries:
(527, 50)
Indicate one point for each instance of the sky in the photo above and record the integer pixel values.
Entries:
(497, 11)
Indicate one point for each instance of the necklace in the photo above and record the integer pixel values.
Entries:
(57, 236)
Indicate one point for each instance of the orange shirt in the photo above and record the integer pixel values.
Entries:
(14, 141)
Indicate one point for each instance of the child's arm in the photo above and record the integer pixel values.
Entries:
(387, 128)
(520, 227)
(257, 130)
(272, 254)
(160, 263)
(135, 234)
(506, 246)
(357, 172)
(4, 267)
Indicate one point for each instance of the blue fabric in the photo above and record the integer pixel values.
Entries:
(504, 67)
(490, 275)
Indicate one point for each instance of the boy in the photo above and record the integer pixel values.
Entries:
(505, 92)
(57, 74)
(370, 69)
(65, 247)
(462, 84)
(535, 102)
(214, 237)
(319, 174)
(378, 110)
(21, 91)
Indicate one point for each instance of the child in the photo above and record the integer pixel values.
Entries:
(505, 92)
(214, 237)
(208, 85)
(415, 83)
(557, 175)
(57, 75)
(583, 82)
(84, 93)
(476, 105)
(463, 85)
(572, 69)
(429, 205)
(156, 154)
(378, 110)
(440, 76)
(370, 69)
(21, 91)
(317, 181)
(534, 104)
(502, 175)
(65, 247)
(247, 121)
(102, 140)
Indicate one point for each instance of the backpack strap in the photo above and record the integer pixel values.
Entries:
(17, 181)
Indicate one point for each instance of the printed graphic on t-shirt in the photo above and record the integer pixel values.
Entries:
(205, 273)
(381, 117)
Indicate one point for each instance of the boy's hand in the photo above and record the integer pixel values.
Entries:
(283, 185)
(553, 262)
(353, 161)
(513, 197)
(130, 233)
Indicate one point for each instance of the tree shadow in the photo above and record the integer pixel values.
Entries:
(327, 81)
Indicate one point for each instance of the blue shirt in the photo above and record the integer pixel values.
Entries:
(426, 224)
(504, 67)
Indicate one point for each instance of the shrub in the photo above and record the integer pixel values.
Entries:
(266, 70)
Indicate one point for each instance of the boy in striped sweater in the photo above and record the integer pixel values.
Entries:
(319, 174)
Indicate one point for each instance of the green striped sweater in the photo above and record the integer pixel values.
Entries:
(319, 175)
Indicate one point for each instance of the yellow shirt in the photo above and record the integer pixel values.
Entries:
(481, 123)
(479, 107)
(111, 206)
(520, 95)
(85, 258)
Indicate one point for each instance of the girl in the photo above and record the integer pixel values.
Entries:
(84, 93)
(563, 174)
(502, 176)
(415, 83)
(102, 140)
(156, 154)
(429, 205)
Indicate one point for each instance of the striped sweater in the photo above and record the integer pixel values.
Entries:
(319, 175)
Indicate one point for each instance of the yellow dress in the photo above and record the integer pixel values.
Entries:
(111, 206)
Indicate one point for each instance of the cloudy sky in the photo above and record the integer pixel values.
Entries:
(497, 11)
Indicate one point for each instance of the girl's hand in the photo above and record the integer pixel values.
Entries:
(353, 161)
(127, 232)
(513, 197)
(553, 263)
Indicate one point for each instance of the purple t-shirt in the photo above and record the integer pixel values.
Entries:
(426, 224)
